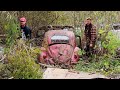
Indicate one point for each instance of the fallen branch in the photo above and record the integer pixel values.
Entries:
(3, 58)
(11, 78)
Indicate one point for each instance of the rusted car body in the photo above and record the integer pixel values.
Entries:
(59, 47)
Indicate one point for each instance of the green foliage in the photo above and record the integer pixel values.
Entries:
(21, 62)
(81, 52)
(104, 66)
(101, 31)
(106, 63)
(11, 31)
(4, 72)
(111, 43)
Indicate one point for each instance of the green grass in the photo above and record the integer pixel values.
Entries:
(105, 65)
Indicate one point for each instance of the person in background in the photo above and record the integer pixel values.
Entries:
(26, 31)
(90, 36)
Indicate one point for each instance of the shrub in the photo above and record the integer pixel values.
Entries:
(21, 62)
(105, 66)
(111, 43)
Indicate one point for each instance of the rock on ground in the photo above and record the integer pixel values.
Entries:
(56, 73)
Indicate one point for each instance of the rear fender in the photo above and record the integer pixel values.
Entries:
(75, 56)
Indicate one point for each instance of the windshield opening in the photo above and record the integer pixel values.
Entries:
(59, 39)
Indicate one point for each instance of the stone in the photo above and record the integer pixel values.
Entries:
(56, 73)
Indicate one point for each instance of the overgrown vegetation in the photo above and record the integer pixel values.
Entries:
(21, 62)
(20, 57)
(12, 32)
(106, 63)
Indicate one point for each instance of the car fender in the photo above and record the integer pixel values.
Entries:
(75, 56)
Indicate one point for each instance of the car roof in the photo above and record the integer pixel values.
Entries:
(60, 32)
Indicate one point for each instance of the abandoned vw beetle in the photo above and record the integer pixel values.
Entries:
(59, 47)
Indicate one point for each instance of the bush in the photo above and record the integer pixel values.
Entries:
(20, 57)
(21, 62)
(111, 43)
(11, 31)
(105, 66)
